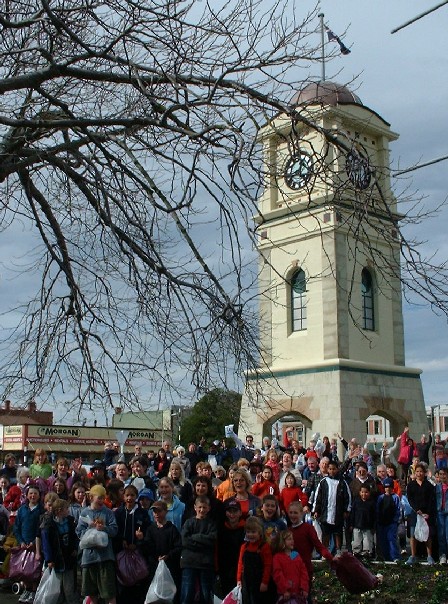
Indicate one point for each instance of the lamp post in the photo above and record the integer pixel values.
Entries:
(121, 436)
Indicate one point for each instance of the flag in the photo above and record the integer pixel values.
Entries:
(332, 37)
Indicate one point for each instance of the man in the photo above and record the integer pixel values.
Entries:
(423, 447)
(194, 458)
(248, 449)
(167, 446)
(315, 476)
(362, 478)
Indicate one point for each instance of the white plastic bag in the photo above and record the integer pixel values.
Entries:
(94, 538)
(234, 597)
(421, 529)
(162, 589)
(317, 528)
(49, 588)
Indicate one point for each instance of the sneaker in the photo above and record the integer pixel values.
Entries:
(442, 559)
(411, 560)
(24, 596)
(430, 560)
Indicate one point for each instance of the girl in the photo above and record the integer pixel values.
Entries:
(41, 467)
(305, 540)
(60, 488)
(289, 571)
(114, 494)
(291, 492)
(77, 500)
(272, 461)
(269, 514)
(182, 486)
(422, 499)
(265, 484)
(161, 464)
(26, 529)
(391, 472)
(254, 564)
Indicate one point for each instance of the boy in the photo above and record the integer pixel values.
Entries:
(230, 540)
(362, 522)
(442, 513)
(199, 536)
(332, 506)
(388, 516)
(98, 564)
(60, 546)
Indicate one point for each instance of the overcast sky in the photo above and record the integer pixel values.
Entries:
(402, 76)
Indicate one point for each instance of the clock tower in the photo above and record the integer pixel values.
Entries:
(331, 323)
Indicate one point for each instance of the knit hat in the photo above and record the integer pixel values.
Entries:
(98, 490)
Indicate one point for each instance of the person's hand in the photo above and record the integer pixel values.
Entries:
(259, 477)
(50, 564)
(406, 429)
(163, 558)
(263, 587)
(139, 534)
(238, 584)
(287, 595)
(37, 556)
(23, 545)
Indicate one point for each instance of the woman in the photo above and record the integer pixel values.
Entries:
(225, 489)
(41, 467)
(161, 464)
(242, 487)
(184, 461)
(10, 468)
(63, 471)
(175, 506)
(202, 487)
(421, 495)
(182, 486)
(407, 452)
(16, 493)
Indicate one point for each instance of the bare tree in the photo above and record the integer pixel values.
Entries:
(129, 147)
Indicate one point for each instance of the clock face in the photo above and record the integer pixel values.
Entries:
(358, 169)
(298, 170)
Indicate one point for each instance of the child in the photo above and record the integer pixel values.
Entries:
(272, 461)
(60, 546)
(305, 540)
(230, 540)
(289, 571)
(26, 529)
(98, 564)
(362, 522)
(77, 500)
(199, 536)
(332, 505)
(269, 514)
(291, 492)
(442, 514)
(388, 515)
(254, 564)
(265, 484)
(161, 541)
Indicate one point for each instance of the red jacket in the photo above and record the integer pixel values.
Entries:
(265, 487)
(305, 540)
(407, 452)
(266, 557)
(289, 575)
(290, 494)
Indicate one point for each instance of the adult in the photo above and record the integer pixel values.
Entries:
(183, 459)
(166, 446)
(362, 478)
(248, 448)
(225, 489)
(175, 507)
(422, 499)
(193, 457)
(423, 447)
(182, 486)
(122, 473)
(10, 468)
(202, 487)
(161, 464)
(407, 452)
(139, 477)
(67, 473)
(438, 452)
(242, 487)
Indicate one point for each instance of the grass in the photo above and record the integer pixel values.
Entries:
(400, 584)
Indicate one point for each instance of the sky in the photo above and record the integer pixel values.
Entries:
(402, 76)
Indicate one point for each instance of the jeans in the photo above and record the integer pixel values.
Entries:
(191, 577)
(388, 542)
(442, 532)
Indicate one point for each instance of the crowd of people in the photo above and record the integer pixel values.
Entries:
(224, 516)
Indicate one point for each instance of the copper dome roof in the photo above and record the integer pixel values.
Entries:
(325, 93)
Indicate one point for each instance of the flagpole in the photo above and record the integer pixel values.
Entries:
(322, 35)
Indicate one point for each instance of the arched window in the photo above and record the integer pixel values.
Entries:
(368, 309)
(298, 301)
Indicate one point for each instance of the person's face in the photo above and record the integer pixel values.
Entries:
(162, 453)
(295, 515)
(166, 446)
(207, 471)
(252, 535)
(289, 480)
(59, 487)
(138, 450)
(80, 493)
(443, 476)
(381, 472)
(364, 494)
(4, 483)
(165, 490)
(62, 468)
(289, 541)
(138, 469)
(272, 455)
(33, 496)
(159, 515)
(419, 474)
(97, 501)
(11, 462)
(267, 474)
(423, 439)
(201, 509)
(269, 508)
(239, 483)
(249, 440)
(362, 472)
(40, 458)
(287, 460)
(63, 513)
(24, 478)
(388, 490)
(145, 503)
(323, 466)
(47, 505)
(312, 464)
(130, 498)
(175, 472)
(191, 448)
(122, 472)
(201, 488)
(233, 515)
(332, 470)
(390, 472)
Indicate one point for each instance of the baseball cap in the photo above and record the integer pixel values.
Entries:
(159, 505)
(388, 482)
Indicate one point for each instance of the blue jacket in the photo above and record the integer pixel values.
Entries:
(26, 526)
(95, 554)
(439, 499)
